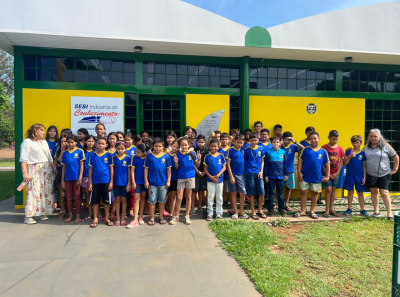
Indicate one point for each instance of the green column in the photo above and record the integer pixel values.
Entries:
(139, 84)
(338, 80)
(18, 76)
(244, 92)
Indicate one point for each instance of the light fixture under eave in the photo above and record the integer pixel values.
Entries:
(348, 59)
(138, 49)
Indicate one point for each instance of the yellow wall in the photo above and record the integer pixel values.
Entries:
(347, 116)
(200, 106)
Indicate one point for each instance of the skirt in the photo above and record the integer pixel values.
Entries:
(39, 191)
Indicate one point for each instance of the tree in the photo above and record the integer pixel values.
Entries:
(7, 73)
(6, 118)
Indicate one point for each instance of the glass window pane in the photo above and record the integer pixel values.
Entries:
(372, 75)
(262, 83)
(235, 83)
(171, 68)
(310, 84)
(130, 111)
(330, 74)
(105, 77)
(30, 74)
(105, 65)
(166, 115)
(147, 114)
(93, 76)
(282, 72)
(43, 62)
(130, 123)
(182, 80)
(130, 98)
(346, 86)
(320, 85)
(193, 69)
(378, 104)
(234, 102)
(43, 75)
(176, 104)
(377, 115)
(372, 86)
(363, 86)
(69, 75)
(292, 73)
(320, 74)
(166, 104)
(330, 85)
(253, 83)
(301, 84)
(129, 66)
(224, 70)
(55, 75)
(214, 70)
(363, 74)
(214, 81)
(369, 115)
(148, 79)
(159, 67)
(310, 74)
(159, 80)
(157, 104)
(157, 125)
(93, 64)
(346, 74)
(354, 86)
(272, 72)
(30, 61)
(157, 115)
(148, 67)
(272, 82)
(253, 72)
(381, 76)
(117, 65)
(55, 62)
(171, 80)
(203, 69)
(380, 86)
(182, 69)
(147, 125)
(203, 81)
(291, 84)
(224, 82)
(68, 63)
(301, 73)
(129, 78)
(282, 84)
(396, 104)
(81, 76)
(176, 126)
(81, 64)
(147, 104)
(389, 76)
(234, 70)
(176, 114)
(193, 81)
(262, 72)
(354, 75)
(117, 77)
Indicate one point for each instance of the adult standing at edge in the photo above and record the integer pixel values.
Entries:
(378, 153)
(37, 170)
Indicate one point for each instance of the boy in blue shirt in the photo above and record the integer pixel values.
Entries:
(356, 174)
(214, 167)
(265, 143)
(236, 183)
(246, 144)
(290, 151)
(223, 149)
(254, 166)
(101, 177)
(313, 162)
(306, 142)
(275, 173)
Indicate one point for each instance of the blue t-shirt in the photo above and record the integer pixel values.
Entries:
(131, 152)
(214, 165)
(290, 153)
(86, 165)
(52, 146)
(245, 145)
(355, 166)
(157, 169)
(225, 154)
(138, 165)
(114, 153)
(121, 167)
(237, 161)
(72, 161)
(56, 155)
(100, 165)
(252, 159)
(305, 143)
(79, 145)
(265, 147)
(313, 164)
(174, 172)
(186, 165)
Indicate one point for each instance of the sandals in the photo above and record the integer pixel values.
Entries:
(244, 217)
(314, 216)
(326, 215)
(255, 217)
(109, 223)
(335, 214)
(113, 219)
(231, 212)
(69, 220)
(262, 215)
(235, 217)
(162, 222)
(151, 223)
(287, 208)
(117, 223)
(124, 223)
(297, 215)
(94, 224)
(88, 219)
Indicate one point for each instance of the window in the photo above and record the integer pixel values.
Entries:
(371, 81)
(130, 112)
(190, 75)
(234, 111)
(385, 115)
(283, 78)
(80, 70)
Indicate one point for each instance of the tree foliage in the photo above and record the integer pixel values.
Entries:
(7, 73)
(6, 118)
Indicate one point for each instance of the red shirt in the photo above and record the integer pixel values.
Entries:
(335, 155)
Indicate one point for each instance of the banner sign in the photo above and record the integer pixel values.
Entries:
(210, 123)
(87, 112)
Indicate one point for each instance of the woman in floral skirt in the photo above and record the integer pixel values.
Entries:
(37, 170)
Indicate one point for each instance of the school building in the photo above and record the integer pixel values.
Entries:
(175, 64)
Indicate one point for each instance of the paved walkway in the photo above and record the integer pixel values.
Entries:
(7, 168)
(52, 258)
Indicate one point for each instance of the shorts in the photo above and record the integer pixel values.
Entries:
(173, 186)
(200, 183)
(253, 183)
(186, 183)
(317, 188)
(85, 182)
(100, 192)
(332, 182)
(239, 185)
(120, 191)
(139, 189)
(157, 194)
(380, 182)
(354, 180)
(290, 183)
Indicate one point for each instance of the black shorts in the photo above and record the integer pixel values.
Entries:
(380, 182)
(200, 183)
(100, 192)
(173, 186)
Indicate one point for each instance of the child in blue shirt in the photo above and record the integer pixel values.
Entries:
(246, 144)
(122, 182)
(236, 184)
(71, 179)
(275, 173)
(88, 149)
(62, 200)
(223, 149)
(201, 177)
(185, 161)
(356, 174)
(306, 142)
(157, 179)
(173, 150)
(130, 148)
(291, 147)
(82, 134)
(313, 163)
(140, 192)
(254, 166)
(101, 179)
(264, 143)
(100, 130)
(214, 167)
(52, 139)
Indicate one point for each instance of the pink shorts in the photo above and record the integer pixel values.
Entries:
(85, 182)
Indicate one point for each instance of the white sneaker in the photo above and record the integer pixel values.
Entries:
(174, 220)
(376, 214)
(44, 218)
(209, 218)
(218, 217)
(29, 221)
(188, 221)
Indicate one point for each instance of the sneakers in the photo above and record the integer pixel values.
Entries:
(141, 222)
(44, 218)
(348, 212)
(376, 214)
(319, 201)
(218, 217)
(174, 220)
(193, 212)
(391, 219)
(29, 221)
(209, 218)
(132, 224)
(364, 213)
(188, 221)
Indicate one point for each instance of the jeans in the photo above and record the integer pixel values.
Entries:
(157, 194)
(214, 189)
(253, 183)
(271, 194)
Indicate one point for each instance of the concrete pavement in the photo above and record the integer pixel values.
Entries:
(52, 258)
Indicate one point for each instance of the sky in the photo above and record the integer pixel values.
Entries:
(268, 13)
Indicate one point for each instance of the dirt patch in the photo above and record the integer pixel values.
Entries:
(289, 233)
(276, 248)
(7, 154)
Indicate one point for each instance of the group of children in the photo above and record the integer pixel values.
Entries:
(139, 173)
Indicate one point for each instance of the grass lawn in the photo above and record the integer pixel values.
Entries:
(7, 163)
(345, 258)
(7, 184)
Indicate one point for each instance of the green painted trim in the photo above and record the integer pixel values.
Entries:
(139, 114)
(258, 37)
(338, 80)
(139, 72)
(244, 93)
(18, 72)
